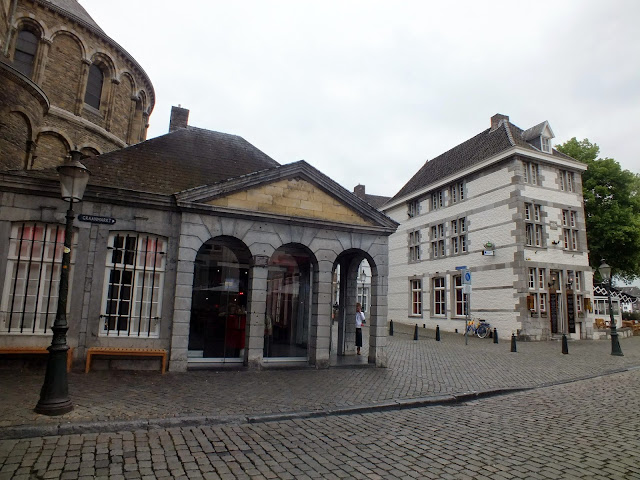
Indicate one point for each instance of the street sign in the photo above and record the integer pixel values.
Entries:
(96, 219)
(466, 289)
(466, 277)
(463, 267)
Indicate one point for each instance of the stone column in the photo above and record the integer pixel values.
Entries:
(256, 314)
(378, 318)
(350, 296)
(110, 101)
(43, 55)
(82, 86)
(132, 119)
(320, 341)
(182, 311)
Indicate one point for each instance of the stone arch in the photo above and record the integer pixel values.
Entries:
(89, 151)
(291, 303)
(101, 73)
(16, 139)
(52, 150)
(35, 28)
(220, 299)
(64, 70)
(346, 289)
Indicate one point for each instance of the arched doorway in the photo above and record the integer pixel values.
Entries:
(288, 309)
(219, 302)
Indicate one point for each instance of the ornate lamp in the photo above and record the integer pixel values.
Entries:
(54, 396)
(605, 273)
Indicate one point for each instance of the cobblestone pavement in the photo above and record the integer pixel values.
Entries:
(417, 370)
(584, 429)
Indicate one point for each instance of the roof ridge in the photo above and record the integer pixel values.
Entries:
(509, 134)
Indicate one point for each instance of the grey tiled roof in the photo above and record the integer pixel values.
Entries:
(533, 132)
(184, 159)
(376, 201)
(471, 152)
(73, 8)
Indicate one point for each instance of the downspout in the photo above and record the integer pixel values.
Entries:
(12, 13)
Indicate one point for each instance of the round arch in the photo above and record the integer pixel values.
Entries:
(220, 296)
(292, 274)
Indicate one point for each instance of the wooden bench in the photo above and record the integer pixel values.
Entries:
(35, 351)
(126, 352)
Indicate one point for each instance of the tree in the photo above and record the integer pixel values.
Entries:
(612, 209)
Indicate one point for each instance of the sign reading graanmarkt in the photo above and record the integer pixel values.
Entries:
(97, 219)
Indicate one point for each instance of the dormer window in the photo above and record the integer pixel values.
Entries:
(545, 143)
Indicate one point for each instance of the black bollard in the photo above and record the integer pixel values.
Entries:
(391, 328)
(415, 333)
(495, 336)
(513, 342)
(437, 333)
(565, 345)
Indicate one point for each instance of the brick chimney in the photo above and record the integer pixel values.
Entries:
(359, 191)
(179, 118)
(495, 120)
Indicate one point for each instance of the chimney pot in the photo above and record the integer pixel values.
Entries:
(359, 191)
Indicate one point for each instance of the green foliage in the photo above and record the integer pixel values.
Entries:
(612, 209)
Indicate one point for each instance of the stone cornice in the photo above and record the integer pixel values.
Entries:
(86, 124)
(14, 75)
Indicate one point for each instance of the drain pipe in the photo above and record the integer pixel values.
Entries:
(12, 14)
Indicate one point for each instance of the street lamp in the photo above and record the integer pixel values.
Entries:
(605, 273)
(54, 396)
(363, 279)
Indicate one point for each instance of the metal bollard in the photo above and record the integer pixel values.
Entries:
(495, 335)
(415, 333)
(391, 328)
(437, 333)
(513, 342)
(565, 345)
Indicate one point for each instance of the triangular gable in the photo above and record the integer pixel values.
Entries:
(293, 197)
(295, 190)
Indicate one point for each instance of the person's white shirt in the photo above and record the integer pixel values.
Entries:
(360, 319)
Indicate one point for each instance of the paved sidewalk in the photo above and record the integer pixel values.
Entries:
(419, 372)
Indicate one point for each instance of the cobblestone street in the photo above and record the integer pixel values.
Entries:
(575, 421)
(585, 429)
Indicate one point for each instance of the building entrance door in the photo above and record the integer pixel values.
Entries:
(219, 300)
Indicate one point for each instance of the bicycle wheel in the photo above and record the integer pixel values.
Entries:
(482, 331)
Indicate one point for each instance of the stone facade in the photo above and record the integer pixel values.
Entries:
(534, 290)
(68, 44)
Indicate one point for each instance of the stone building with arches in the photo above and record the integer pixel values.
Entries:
(65, 85)
(205, 247)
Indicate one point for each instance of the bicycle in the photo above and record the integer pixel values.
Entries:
(481, 330)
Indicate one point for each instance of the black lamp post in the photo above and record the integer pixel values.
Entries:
(605, 273)
(54, 396)
(363, 279)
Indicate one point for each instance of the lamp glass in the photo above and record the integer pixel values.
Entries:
(74, 177)
(363, 276)
(605, 271)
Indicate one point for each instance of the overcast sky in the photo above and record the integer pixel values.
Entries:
(367, 91)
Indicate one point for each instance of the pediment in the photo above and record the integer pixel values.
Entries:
(292, 197)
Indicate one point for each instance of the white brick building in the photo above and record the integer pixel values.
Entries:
(509, 207)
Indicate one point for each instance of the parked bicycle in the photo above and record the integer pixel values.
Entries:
(481, 328)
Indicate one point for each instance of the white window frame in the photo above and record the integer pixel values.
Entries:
(569, 231)
(545, 144)
(138, 315)
(531, 173)
(415, 286)
(32, 279)
(413, 208)
(414, 246)
(534, 231)
(438, 285)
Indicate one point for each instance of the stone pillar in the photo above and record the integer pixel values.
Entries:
(132, 119)
(350, 298)
(378, 318)
(320, 341)
(43, 55)
(110, 101)
(182, 311)
(82, 86)
(256, 315)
